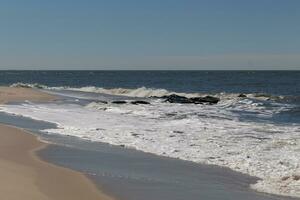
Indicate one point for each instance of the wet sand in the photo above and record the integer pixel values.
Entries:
(124, 173)
(23, 175)
(8, 94)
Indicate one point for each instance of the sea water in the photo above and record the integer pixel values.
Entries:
(127, 174)
(258, 135)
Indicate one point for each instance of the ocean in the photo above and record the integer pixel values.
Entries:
(254, 129)
(269, 82)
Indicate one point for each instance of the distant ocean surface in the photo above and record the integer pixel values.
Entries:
(257, 133)
(269, 82)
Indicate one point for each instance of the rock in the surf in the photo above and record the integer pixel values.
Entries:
(242, 95)
(206, 99)
(139, 102)
(173, 98)
(119, 102)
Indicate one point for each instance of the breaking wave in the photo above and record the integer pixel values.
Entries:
(138, 92)
(209, 134)
(145, 92)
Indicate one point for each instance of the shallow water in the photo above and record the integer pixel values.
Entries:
(245, 134)
(133, 175)
(257, 133)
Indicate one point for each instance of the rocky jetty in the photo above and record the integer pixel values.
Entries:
(174, 98)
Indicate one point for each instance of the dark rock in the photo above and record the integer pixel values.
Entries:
(100, 101)
(119, 102)
(139, 102)
(174, 98)
(242, 95)
(156, 97)
(206, 99)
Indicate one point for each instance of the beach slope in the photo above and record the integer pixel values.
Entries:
(23, 175)
(8, 94)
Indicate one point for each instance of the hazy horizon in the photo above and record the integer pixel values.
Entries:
(118, 35)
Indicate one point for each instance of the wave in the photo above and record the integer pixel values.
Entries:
(29, 85)
(209, 134)
(137, 92)
(145, 92)
(204, 134)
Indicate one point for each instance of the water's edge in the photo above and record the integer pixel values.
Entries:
(104, 181)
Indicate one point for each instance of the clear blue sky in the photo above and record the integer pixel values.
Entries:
(179, 34)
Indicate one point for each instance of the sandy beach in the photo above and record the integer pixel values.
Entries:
(23, 175)
(22, 94)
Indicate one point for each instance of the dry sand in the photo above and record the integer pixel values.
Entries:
(23, 176)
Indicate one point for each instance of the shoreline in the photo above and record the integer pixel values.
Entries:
(48, 97)
(26, 176)
(202, 175)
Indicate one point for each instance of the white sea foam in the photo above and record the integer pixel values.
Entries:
(143, 92)
(201, 133)
(137, 92)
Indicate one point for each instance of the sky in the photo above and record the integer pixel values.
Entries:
(150, 34)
